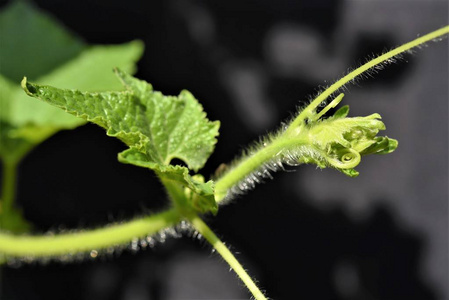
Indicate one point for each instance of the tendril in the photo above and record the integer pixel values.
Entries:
(347, 159)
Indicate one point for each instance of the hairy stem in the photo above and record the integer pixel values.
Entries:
(97, 239)
(8, 187)
(253, 162)
(362, 69)
(178, 197)
(227, 255)
(175, 193)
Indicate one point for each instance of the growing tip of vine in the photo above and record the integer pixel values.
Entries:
(28, 88)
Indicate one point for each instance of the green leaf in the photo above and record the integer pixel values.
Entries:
(350, 172)
(178, 127)
(160, 127)
(342, 112)
(32, 42)
(157, 129)
(381, 145)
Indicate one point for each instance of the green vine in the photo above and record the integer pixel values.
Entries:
(158, 128)
(58, 245)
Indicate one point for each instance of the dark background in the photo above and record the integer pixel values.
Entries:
(305, 235)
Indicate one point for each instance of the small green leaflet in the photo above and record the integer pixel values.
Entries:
(157, 128)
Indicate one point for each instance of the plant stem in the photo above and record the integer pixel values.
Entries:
(175, 192)
(221, 248)
(253, 162)
(8, 187)
(362, 69)
(84, 241)
(178, 197)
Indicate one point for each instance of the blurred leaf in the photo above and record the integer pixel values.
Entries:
(36, 45)
(11, 148)
(32, 42)
(6, 90)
